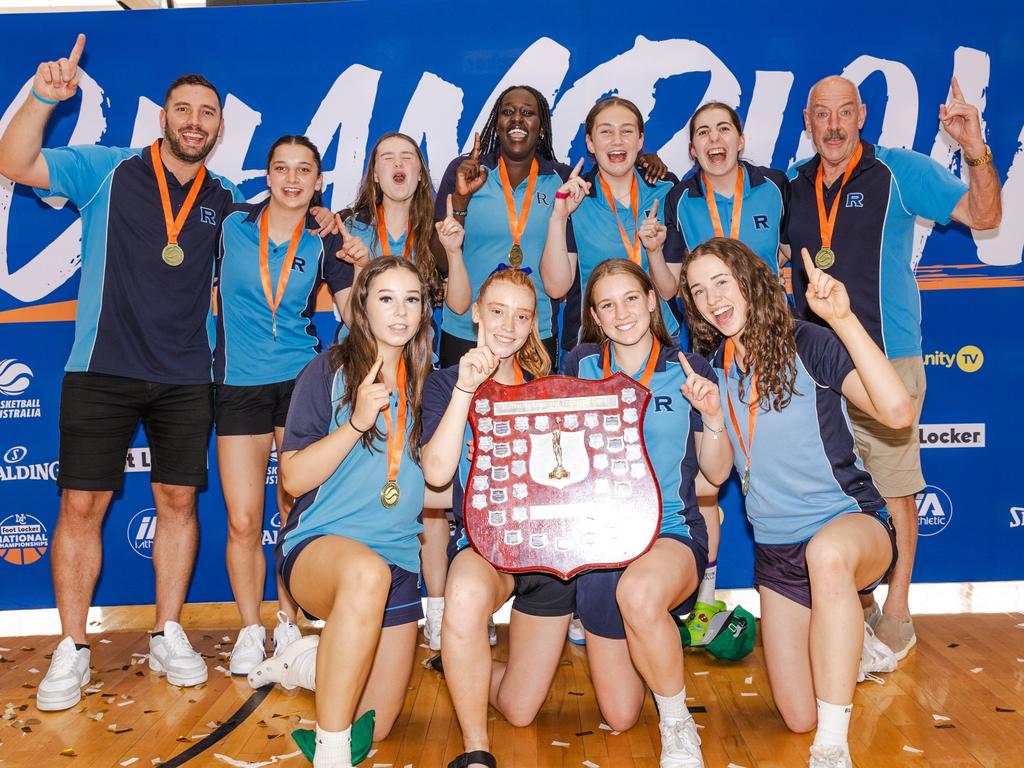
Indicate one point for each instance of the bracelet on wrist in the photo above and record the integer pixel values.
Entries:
(712, 430)
(986, 157)
(467, 391)
(357, 429)
(48, 102)
(463, 214)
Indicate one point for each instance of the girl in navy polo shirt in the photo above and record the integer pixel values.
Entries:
(349, 552)
(820, 525)
(602, 214)
(269, 273)
(627, 613)
(723, 197)
(510, 351)
(394, 215)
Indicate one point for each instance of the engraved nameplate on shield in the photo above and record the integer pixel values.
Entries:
(568, 455)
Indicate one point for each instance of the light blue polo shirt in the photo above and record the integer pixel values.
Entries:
(247, 353)
(348, 503)
(489, 237)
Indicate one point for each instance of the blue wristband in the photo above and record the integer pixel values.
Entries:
(50, 102)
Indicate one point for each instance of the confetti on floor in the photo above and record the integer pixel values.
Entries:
(748, 681)
(912, 750)
(105, 641)
(748, 693)
(559, 744)
(702, 672)
(589, 764)
(939, 718)
(976, 670)
(129, 761)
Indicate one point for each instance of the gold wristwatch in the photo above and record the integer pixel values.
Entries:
(985, 158)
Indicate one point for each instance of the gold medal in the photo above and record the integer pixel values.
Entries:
(745, 481)
(390, 494)
(173, 255)
(515, 256)
(824, 258)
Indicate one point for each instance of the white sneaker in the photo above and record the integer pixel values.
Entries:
(285, 633)
(61, 688)
(432, 622)
(680, 744)
(295, 667)
(492, 633)
(875, 656)
(576, 634)
(172, 654)
(830, 756)
(248, 650)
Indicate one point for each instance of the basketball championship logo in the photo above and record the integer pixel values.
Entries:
(23, 539)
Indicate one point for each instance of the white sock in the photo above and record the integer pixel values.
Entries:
(672, 707)
(706, 590)
(333, 748)
(833, 724)
(436, 603)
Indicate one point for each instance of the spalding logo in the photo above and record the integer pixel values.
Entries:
(14, 377)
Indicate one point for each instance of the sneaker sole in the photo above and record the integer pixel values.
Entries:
(902, 654)
(58, 705)
(578, 642)
(173, 679)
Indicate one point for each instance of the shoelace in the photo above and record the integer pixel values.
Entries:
(177, 643)
(829, 756)
(680, 738)
(63, 660)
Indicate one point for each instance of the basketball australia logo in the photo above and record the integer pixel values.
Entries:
(142, 531)
(934, 510)
(272, 529)
(15, 378)
(23, 539)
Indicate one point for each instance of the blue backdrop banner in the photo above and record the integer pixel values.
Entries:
(343, 73)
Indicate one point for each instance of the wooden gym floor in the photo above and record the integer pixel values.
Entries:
(956, 701)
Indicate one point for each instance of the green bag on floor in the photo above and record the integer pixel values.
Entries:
(362, 738)
(730, 635)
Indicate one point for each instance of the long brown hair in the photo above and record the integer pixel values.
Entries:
(533, 356)
(612, 101)
(768, 334)
(590, 331)
(357, 352)
(421, 214)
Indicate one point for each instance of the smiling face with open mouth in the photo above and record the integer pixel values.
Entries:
(518, 125)
(397, 169)
(717, 142)
(191, 122)
(622, 308)
(506, 313)
(717, 295)
(293, 176)
(615, 140)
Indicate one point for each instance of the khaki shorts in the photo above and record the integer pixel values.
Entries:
(893, 456)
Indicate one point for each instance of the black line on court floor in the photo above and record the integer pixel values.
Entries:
(225, 728)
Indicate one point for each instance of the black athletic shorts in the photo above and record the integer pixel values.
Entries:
(99, 415)
(254, 410)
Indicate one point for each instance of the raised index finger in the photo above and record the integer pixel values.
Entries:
(345, 234)
(450, 208)
(577, 169)
(654, 211)
(476, 146)
(808, 264)
(687, 368)
(76, 52)
(374, 370)
(955, 88)
(480, 340)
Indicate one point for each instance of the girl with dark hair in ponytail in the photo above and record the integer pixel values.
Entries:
(269, 272)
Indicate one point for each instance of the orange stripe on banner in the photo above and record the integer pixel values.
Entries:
(60, 311)
(944, 277)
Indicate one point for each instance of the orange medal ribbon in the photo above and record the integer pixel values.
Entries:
(518, 370)
(517, 223)
(826, 257)
(652, 362)
(286, 268)
(632, 249)
(390, 493)
(382, 236)
(716, 221)
(730, 350)
(172, 253)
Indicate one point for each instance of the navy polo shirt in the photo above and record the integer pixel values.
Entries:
(489, 237)
(247, 354)
(803, 467)
(138, 317)
(873, 237)
(593, 235)
(765, 202)
(348, 502)
(669, 426)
